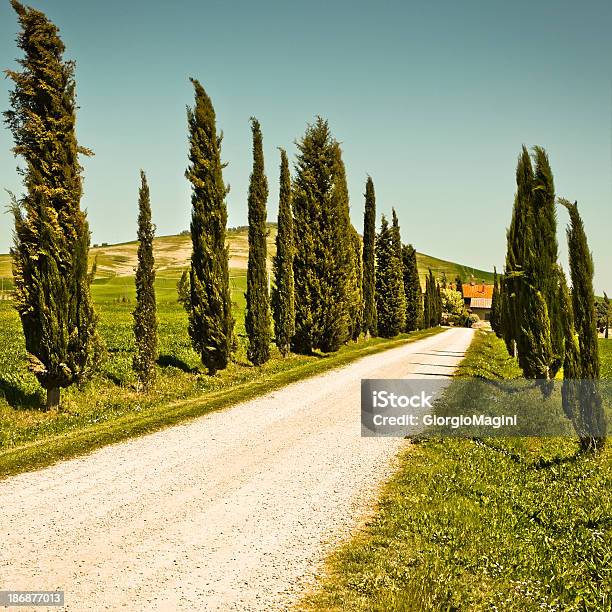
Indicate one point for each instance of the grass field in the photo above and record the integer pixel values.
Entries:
(515, 525)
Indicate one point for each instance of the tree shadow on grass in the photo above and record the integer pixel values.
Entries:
(19, 399)
(170, 361)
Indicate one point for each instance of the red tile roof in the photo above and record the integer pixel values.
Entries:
(477, 291)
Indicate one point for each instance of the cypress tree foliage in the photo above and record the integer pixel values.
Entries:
(283, 292)
(145, 314)
(397, 246)
(323, 260)
(531, 279)
(545, 245)
(571, 373)
(183, 291)
(496, 324)
(356, 307)
(534, 342)
(389, 284)
(369, 273)
(51, 231)
(210, 310)
(515, 255)
(412, 288)
(459, 284)
(433, 302)
(591, 420)
(257, 320)
(607, 309)
(427, 305)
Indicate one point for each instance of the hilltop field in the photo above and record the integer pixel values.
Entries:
(117, 262)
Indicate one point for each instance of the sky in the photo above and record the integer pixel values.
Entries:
(433, 100)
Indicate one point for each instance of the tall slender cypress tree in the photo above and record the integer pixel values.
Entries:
(526, 316)
(356, 307)
(145, 314)
(427, 302)
(592, 421)
(323, 261)
(412, 288)
(515, 255)
(397, 247)
(607, 309)
(283, 292)
(210, 309)
(257, 320)
(433, 306)
(51, 231)
(389, 284)
(544, 276)
(496, 325)
(369, 274)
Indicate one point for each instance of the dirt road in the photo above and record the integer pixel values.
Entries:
(232, 511)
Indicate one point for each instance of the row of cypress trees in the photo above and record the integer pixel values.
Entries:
(544, 324)
(328, 288)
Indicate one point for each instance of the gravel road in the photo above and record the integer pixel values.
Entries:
(232, 511)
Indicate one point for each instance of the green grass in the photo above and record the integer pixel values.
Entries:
(109, 408)
(442, 268)
(514, 525)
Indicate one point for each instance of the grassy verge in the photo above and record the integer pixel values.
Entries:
(73, 436)
(467, 525)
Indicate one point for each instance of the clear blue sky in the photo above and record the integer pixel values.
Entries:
(432, 99)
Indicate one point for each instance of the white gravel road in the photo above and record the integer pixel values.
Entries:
(232, 511)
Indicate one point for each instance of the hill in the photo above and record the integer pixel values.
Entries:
(172, 255)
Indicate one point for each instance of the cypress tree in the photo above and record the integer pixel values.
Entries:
(323, 262)
(592, 422)
(433, 302)
(607, 310)
(145, 314)
(51, 231)
(496, 307)
(356, 307)
(183, 291)
(283, 292)
(545, 276)
(459, 285)
(412, 288)
(369, 273)
(210, 316)
(257, 320)
(397, 247)
(427, 318)
(515, 255)
(389, 284)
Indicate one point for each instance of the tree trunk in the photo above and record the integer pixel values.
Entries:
(53, 398)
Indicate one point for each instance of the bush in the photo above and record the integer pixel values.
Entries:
(472, 319)
(452, 302)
